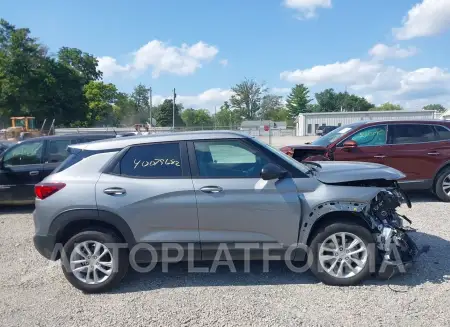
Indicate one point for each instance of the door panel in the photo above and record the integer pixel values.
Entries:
(416, 161)
(156, 210)
(21, 170)
(415, 152)
(153, 192)
(236, 205)
(248, 210)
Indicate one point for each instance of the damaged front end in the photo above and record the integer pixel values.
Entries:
(397, 249)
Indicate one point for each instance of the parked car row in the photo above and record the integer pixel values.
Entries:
(24, 164)
(419, 149)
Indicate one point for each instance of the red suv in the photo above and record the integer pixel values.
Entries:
(420, 149)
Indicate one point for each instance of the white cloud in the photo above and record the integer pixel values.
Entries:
(307, 8)
(206, 100)
(161, 57)
(430, 17)
(382, 51)
(109, 66)
(380, 83)
(280, 90)
(224, 62)
(353, 71)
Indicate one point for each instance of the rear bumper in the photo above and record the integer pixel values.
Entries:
(45, 245)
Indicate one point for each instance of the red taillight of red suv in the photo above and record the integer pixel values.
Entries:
(44, 190)
(288, 150)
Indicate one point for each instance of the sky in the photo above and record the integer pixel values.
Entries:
(394, 51)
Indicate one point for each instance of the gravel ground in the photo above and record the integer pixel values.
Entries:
(33, 292)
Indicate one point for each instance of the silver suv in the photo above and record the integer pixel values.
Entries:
(146, 198)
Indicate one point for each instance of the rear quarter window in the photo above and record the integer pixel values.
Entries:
(161, 160)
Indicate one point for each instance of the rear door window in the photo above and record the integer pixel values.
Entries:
(162, 160)
(56, 150)
(443, 133)
(411, 133)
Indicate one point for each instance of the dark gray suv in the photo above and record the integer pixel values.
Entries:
(122, 201)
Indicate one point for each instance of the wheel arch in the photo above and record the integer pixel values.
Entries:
(70, 222)
(329, 212)
(440, 170)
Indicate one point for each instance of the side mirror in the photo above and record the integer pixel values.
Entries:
(272, 171)
(350, 144)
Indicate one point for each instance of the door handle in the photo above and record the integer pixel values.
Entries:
(211, 189)
(380, 156)
(433, 153)
(34, 173)
(114, 191)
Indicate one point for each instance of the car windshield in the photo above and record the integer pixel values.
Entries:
(335, 134)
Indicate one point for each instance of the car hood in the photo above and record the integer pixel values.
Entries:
(348, 171)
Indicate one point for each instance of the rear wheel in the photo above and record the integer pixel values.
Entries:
(93, 263)
(342, 254)
(442, 185)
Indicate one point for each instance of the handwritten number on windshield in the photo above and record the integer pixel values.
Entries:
(156, 162)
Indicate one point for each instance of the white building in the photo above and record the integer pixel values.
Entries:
(308, 123)
(446, 115)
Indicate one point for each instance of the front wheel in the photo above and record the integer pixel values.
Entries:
(442, 185)
(343, 254)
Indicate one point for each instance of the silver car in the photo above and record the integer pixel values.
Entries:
(131, 200)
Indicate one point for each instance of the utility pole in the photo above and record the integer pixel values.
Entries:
(173, 110)
(150, 98)
(215, 116)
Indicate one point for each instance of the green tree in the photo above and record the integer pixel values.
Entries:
(33, 83)
(436, 107)
(100, 99)
(196, 117)
(387, 107)
(226, 117)
(83, 63)
(124, 110)
(298, 100)
(270, 105)
(164, 114)
(22, 71)
(247, 98)
(313, 107)
(330, 101)
(188, 116)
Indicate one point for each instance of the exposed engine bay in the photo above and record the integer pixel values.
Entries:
(391, 235)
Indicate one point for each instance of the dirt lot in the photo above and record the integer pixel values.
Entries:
(35, 293)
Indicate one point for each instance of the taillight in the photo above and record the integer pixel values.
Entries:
(288, 150)
(44, 190)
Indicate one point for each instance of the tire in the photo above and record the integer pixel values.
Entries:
(117, 260)
(443, 177)
(351, 277)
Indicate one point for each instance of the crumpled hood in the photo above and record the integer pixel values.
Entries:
(347, 171)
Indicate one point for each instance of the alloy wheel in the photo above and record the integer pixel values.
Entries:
(343, 255)
(91, 262)
(446, 185)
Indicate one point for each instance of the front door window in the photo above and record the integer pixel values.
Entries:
(28, 153)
